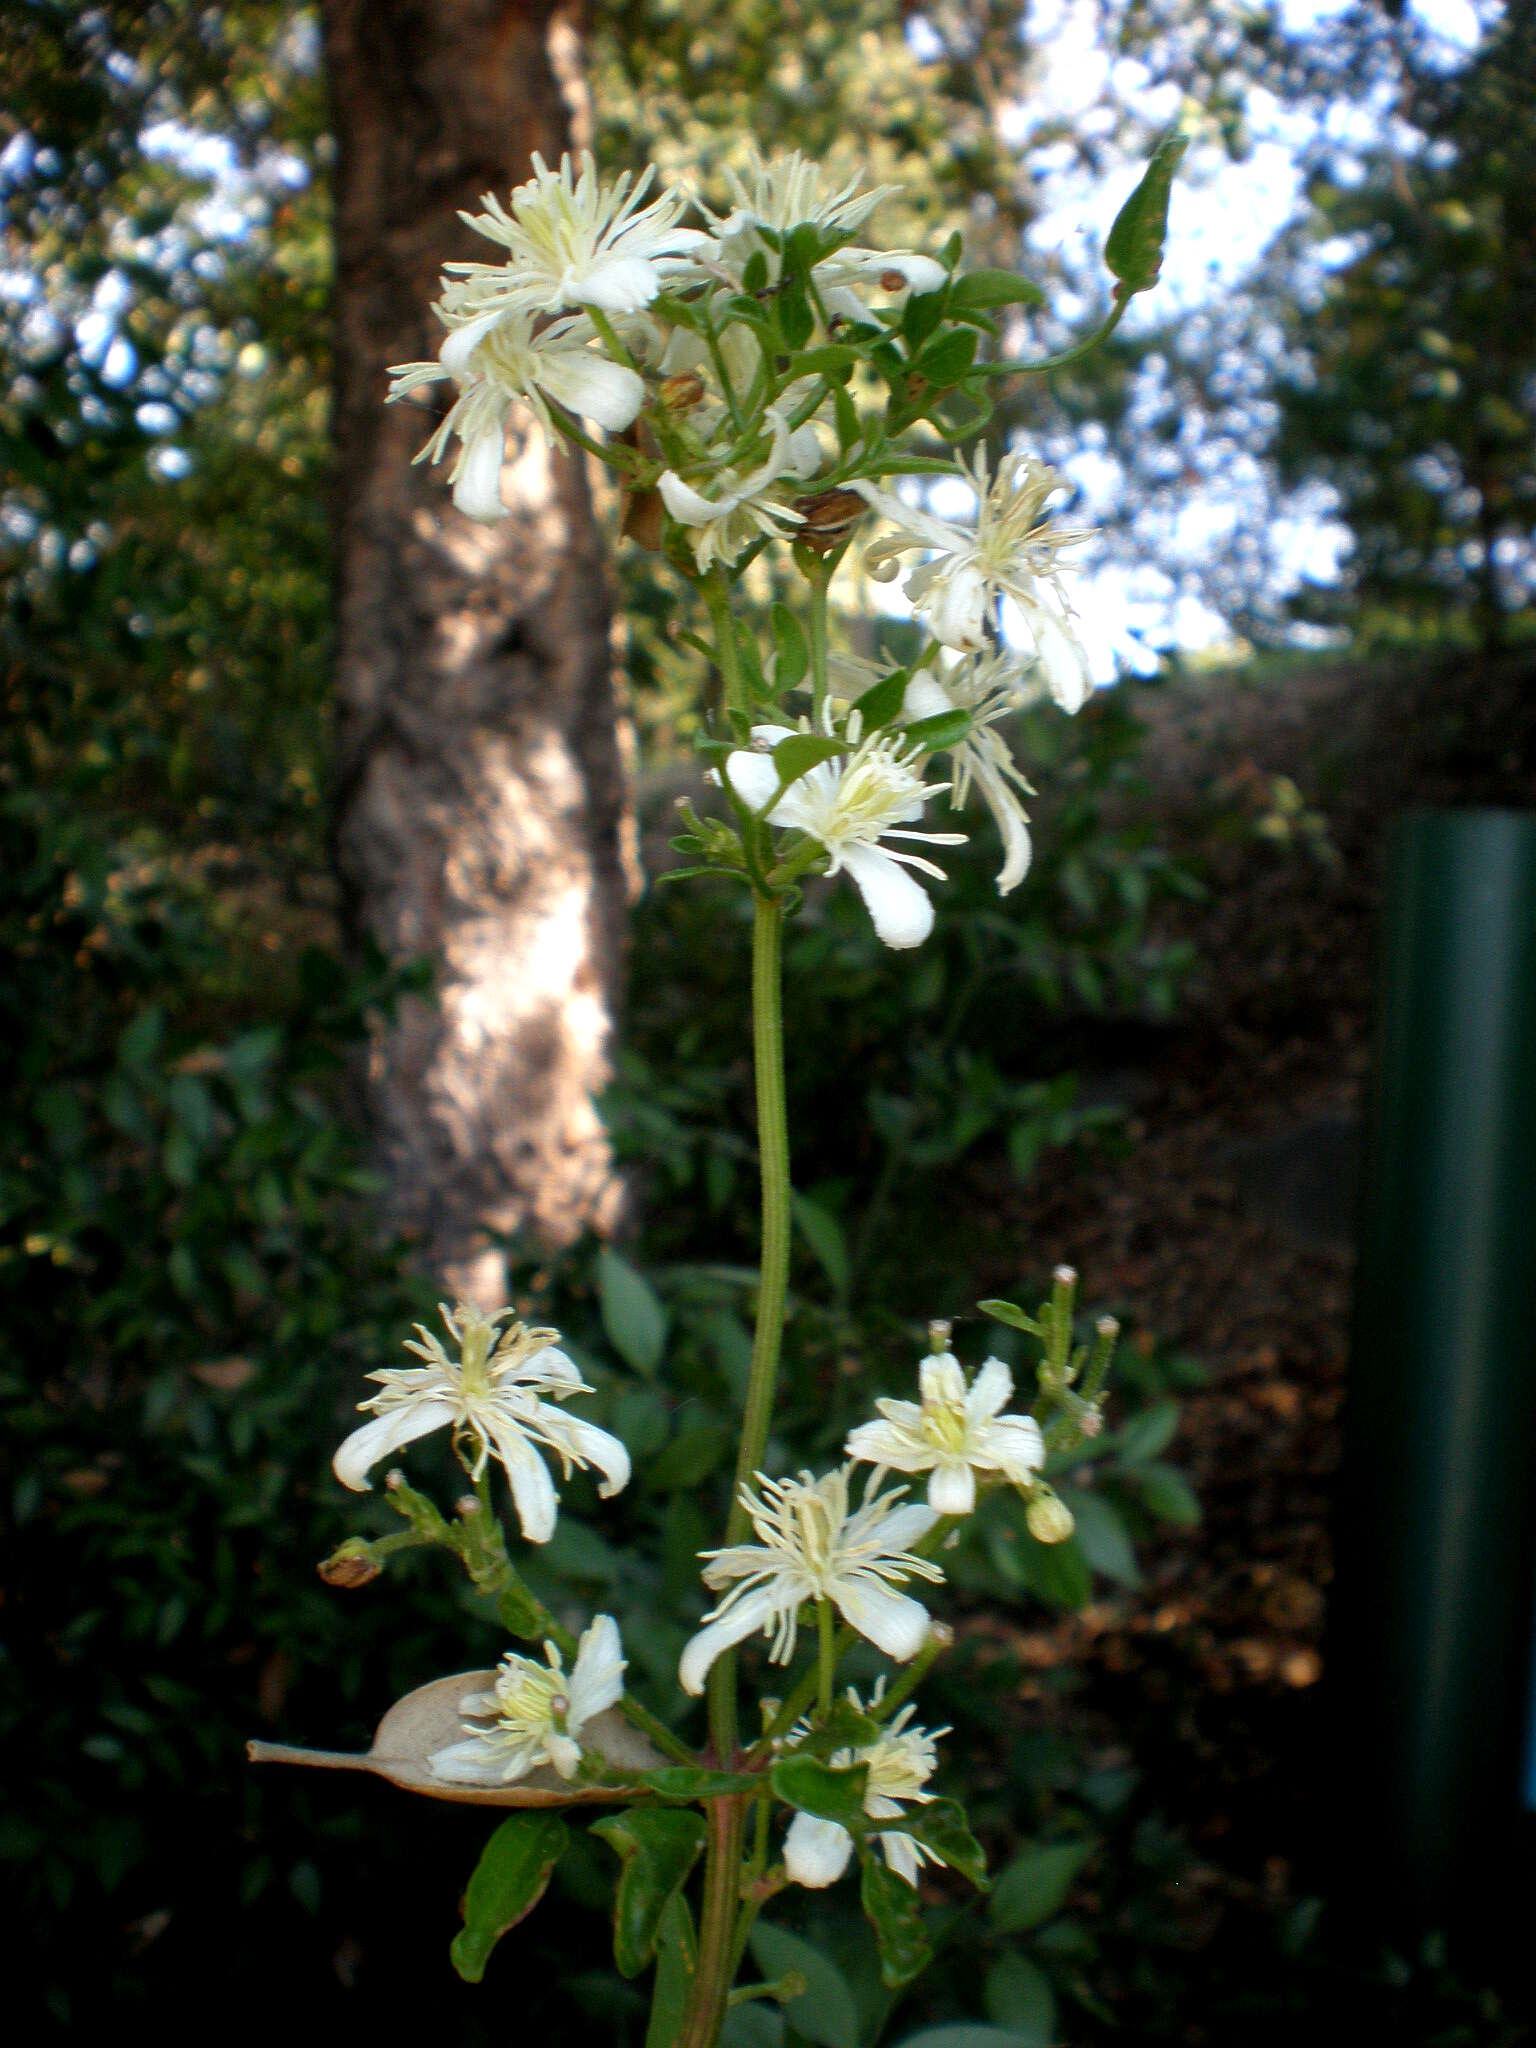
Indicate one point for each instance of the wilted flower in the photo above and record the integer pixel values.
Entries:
(954, 1432)
(743, 505)
(574, 242)
(492, 1395)
(900, 1763)
(536, 1712)
(813, 1546)
(851, 805)
(1011, 550)
(500, 357)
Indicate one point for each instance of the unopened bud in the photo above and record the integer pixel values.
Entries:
(1048, 1517)
(349, 1566)
(1065, 1276)
(892, 281)
(394, 1480)
(681, 390)
(939, 1335)
(1090, 1423)
(941, 1635)
(467, 1505)
(1107, 1326)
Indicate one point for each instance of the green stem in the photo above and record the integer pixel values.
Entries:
(717, 1964)
(1068, 355)
(717, 595)
(826, 1655)
(818, 648)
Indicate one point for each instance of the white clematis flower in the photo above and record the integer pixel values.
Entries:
(953, 1432)
(987, 688)
(536, 1712)
(1011, 550)
(493, 1395)
(787, 191)
(851, 805)
(812, 1545)
(901, 1762)
(743, 505)
(498, 358)
(574, 242)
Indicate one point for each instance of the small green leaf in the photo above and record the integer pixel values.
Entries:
(1019, 1997)
(1101, 1535)
(824, 1234)
(1149, 1432)
(633, 1315)
(845, 1727)
(966, 2036)
(508, 1882)
(1010, 1313)
(825, 2013)
(754, 273)
(796, 320)
(882, 701)
(677, 1965)
(754, 2025)
(1134, 251)
(791, 655)
(690, 1457)
(658, 1848)
(921, 315)
(941, 1826)
(815, 1787)
(944, 729)
(979, 289)
(947, 357)
(892, 1908)
(1035, 1885)
(801, 752)
(1166, 1493)
(685, 1781)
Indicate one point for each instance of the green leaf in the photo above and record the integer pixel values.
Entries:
(892, 1908)
(801, 752)
(796, 320)
(1019, 1997)
(921, 314)
(685, 1781)
(815, 1787)
(754, 2025)
(1010, 1313)
(1056, 1573)
(825, 2013)
(941, 1826)
(1166, 1493)
(966, 2036)
(1149, 1432)
(1134, 251)
(1101, 1535)
(1035, 1885)
(944, 729)
(882, 701)
(978, 289)
(677, 1965)
(792, 656)
(824, 1234)
(508, 1882)
(633, 1315)
(947, 358)
(754, 273)
(658, 1848)
(845, 1727)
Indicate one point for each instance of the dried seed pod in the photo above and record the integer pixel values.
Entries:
(680, 391)
(828, 518)
(349, 1566)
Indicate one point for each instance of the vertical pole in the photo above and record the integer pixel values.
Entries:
(1430, 1624)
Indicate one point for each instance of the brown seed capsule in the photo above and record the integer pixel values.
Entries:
(892, 281)
(643, 518)
(682, 390)
(828, 518)
(348, 1568)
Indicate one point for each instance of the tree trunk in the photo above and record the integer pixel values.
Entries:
(482, 811)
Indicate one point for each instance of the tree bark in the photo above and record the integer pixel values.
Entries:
(483, 811)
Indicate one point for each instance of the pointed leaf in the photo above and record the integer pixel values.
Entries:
(815, 1787)
(882, 701)
(947, 357)
(1019, 1996)
(942, 1827)
(824, 1234)
(825, 2013)
(1010, 1313)
(508, 1882)
(892, 1908)
(677, 1965)
(658, 1849)
(1166, 1493)
(944, 729)
(977, 289)
(792, 657)
(1035, 1885)
(1134, 251)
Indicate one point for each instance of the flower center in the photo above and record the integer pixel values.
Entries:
(945, 1425)
(876, 790)
(530, 1699)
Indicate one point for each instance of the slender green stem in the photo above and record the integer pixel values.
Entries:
(717, 1925)
(818, 647)
(717, 595)
(826, 1654)
(1014, 368)
(610, 338)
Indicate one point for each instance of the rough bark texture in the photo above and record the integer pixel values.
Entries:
(482, 813)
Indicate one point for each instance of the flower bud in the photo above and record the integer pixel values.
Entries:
(351, 1565)
(1065, 1276)
(681, 390)
(394, 1480)
(939, 1334)
(1048, 1517)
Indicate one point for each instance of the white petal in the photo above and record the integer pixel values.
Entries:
(753, 777)
(942, 1381)
(477, 493)
(597, 1678)
(959, 616)
(1011, 821)
(593, 387)
(990, 1391)
(906, 1526)
(564, 1754)
(688, 506)
(385, 1433)
(891, 1621)
(925, 697)
(898, 906)
(1014, 1445)
(816, 1852)
(804, 451)
(887, 1443)
(1062, 659)
(554, 1369)
(586, 1444)
(533, 1491)
(470, 1763)
(922, 273)
(616, 284)
(901, 1856)
(745, 1618)
(952, 1489)
(461, 344)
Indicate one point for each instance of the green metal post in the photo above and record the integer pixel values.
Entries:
(1430, 1626)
